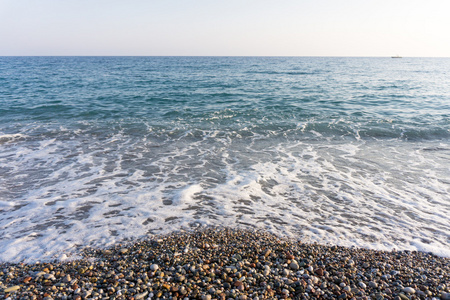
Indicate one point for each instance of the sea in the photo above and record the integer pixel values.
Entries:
(349, 151)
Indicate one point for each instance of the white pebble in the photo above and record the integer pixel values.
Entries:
(154, 267)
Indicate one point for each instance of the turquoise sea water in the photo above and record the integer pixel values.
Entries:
(350, 151)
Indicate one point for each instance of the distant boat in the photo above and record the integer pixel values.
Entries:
(397, 56)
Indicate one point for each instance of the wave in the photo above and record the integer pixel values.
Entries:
(271, 72)
(9, 138)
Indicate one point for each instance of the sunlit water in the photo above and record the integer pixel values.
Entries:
(348, 151)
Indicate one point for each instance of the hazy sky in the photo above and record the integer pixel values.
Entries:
(225, 27)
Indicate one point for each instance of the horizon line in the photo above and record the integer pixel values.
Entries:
(318, 56)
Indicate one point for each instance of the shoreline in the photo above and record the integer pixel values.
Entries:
(224, 263)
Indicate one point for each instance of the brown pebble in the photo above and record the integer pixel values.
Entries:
(319, 271)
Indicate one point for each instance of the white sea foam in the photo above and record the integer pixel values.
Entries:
(8, 138)
(63, 195)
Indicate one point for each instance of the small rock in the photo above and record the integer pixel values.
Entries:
(154, 267)
(319, 271)
(49, 276)
(386, 277)
(373, 284)
(11, 289)
(403, 296)
(294, 265)
(39, 274)
(445, 296)
(86, 294)
(67, 279)
(379, 296)
(409, 290)
(141, 295)
(362, 285)
(123, 250)
(183, 290)
(421, 293)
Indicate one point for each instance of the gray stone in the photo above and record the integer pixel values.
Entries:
(294, 265)
(409, 290)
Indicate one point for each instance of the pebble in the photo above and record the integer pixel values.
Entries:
(294, 265)
(409, 290)
(141, 295)
(403, 296)
(445, 296)
(225, 263)
(11, 289)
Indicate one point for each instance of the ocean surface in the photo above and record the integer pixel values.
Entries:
(346, 151)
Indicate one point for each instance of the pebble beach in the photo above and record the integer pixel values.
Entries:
(224, 263)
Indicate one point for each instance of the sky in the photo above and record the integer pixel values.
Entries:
(225, 27)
